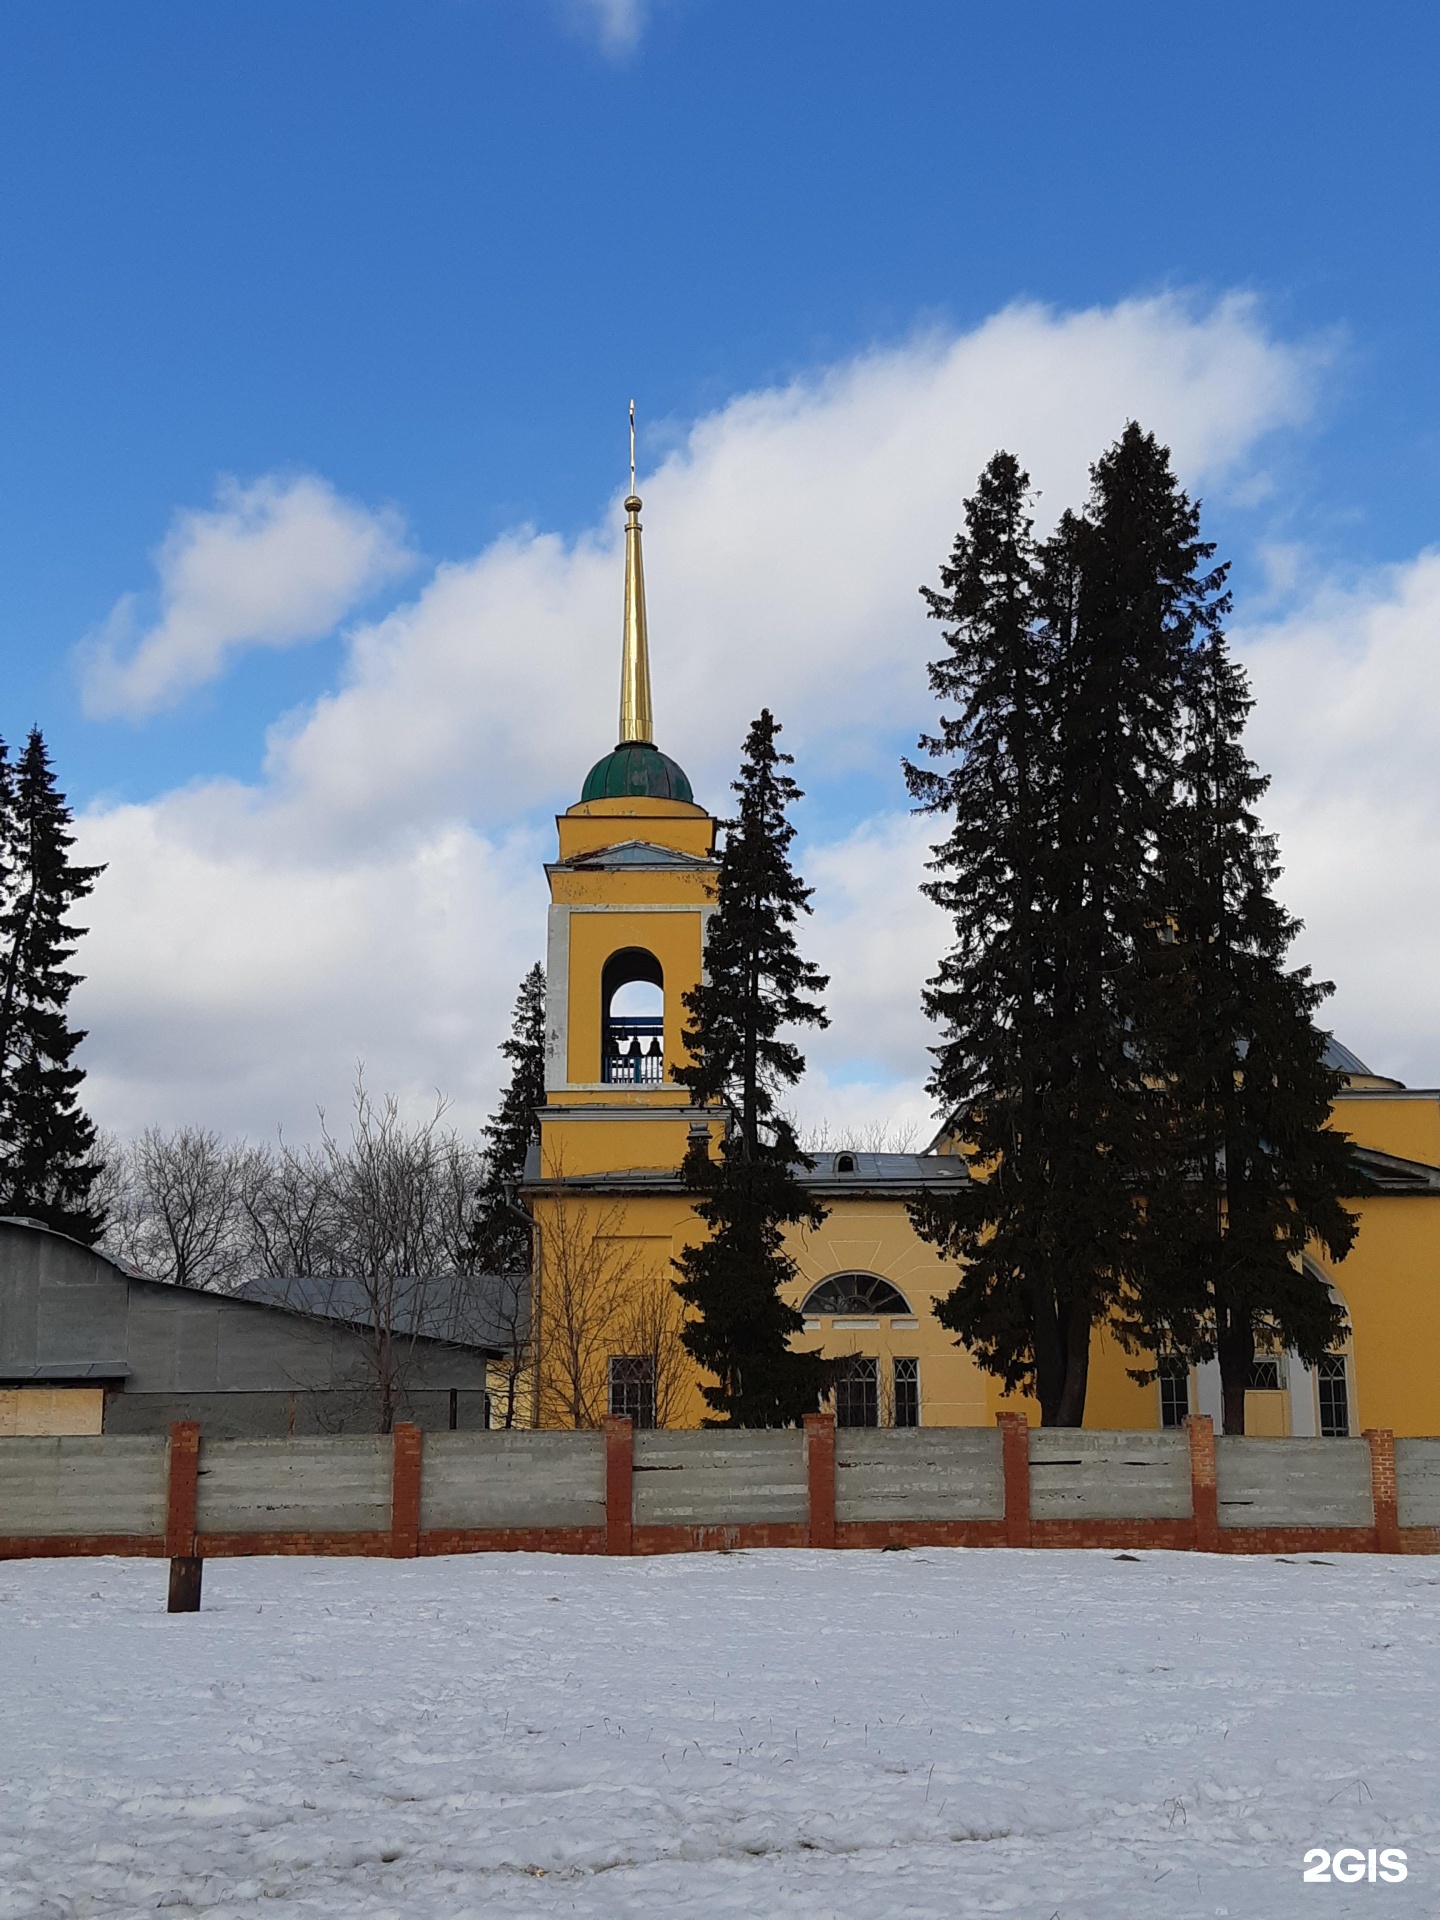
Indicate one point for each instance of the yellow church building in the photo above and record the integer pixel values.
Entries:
(631, 893)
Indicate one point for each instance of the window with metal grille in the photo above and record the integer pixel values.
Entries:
(907, 1393)
(857, 1393)
(864, 1294)
(1174, 1393)
(632, 1387)
(1334, 1394)
(1264, 1377)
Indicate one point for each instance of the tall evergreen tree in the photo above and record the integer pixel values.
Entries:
(500, 1240)
(993, 993)
(757, 985)
(1053, 922)
(1130, 590)
(47, 1143)
(1249, 1170)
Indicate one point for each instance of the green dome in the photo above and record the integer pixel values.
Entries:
(636, 770)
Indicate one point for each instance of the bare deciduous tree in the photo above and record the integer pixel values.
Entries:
(176, 1205)
(386, 1209)
(584, 1270)
(383, 1185)
(596, 1299)
(875, 1136)
(650, 1321)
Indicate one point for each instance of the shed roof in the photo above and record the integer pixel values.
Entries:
(483, 1310)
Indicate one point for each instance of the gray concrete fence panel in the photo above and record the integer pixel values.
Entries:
(923, 1473)
(339, 1485)
(1293, 1483)
(472, 1481)
(1108, 1476)
(718, 1478)
(83, 1484)
(1417, 1479)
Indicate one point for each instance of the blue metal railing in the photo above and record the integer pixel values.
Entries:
(633, 1051)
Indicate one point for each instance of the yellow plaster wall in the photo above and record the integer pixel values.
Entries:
(594, 824)
(1390, 1283)
(875, 1236)
(574, 1149)
(1113, 1399)
(1405, 1124)
(652, 1230)
(675, 939)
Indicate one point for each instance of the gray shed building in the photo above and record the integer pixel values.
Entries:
(88, 1346)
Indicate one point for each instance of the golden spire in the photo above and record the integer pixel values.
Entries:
(636, 720)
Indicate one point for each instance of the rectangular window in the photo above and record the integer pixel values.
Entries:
(1264, 1377)
(632, 1387)
(1334, 1392)
(857, 1393)
(1174, 1393)
(907, 1393)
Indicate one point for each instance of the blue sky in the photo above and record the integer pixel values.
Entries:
(417, 257)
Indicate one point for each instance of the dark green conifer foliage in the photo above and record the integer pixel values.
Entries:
(47, 1143)
(1069, 668)
(1249, 1170)
(993, 994)
(1130, 589)
(500, 1240)
(758, 984)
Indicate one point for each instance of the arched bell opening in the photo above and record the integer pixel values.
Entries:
(632, 1019)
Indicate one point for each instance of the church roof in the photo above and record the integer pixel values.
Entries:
(467, 1310)
(636, 853)
(898, 1176)
(1342, 1060)
(636, 770)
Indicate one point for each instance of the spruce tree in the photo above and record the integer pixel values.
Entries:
(500, 1240)
(758, 984)
(993, 994)
(1249, 1170)
(47, 1143)
(1069, 667)
(1129, 590)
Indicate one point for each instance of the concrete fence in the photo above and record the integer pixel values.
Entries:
(621, 1492)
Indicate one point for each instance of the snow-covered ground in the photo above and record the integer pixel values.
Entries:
(762, 1734)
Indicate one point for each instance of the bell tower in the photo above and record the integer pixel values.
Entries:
(631, 894)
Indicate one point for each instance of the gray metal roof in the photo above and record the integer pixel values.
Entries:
(841, 1172)
(1388, 1173)
(1341, 1060)
(484, 1310)
(897, 1175)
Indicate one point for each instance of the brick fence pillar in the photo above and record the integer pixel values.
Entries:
(183, 1490)
(405, 1492)
(1383, 1491)
(820, 1476)
(181, 1497)
(1015, 1455)
(1204, 1492)
(619, 1485)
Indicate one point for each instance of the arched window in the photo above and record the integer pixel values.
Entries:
(632, 1027)
(862, 1295)
(844, 1163)
(1332, 1382)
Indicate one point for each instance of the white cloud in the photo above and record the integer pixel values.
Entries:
(785, 541)
(619, 23)
(270, 565)
(378, 893)
(1347, 721)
